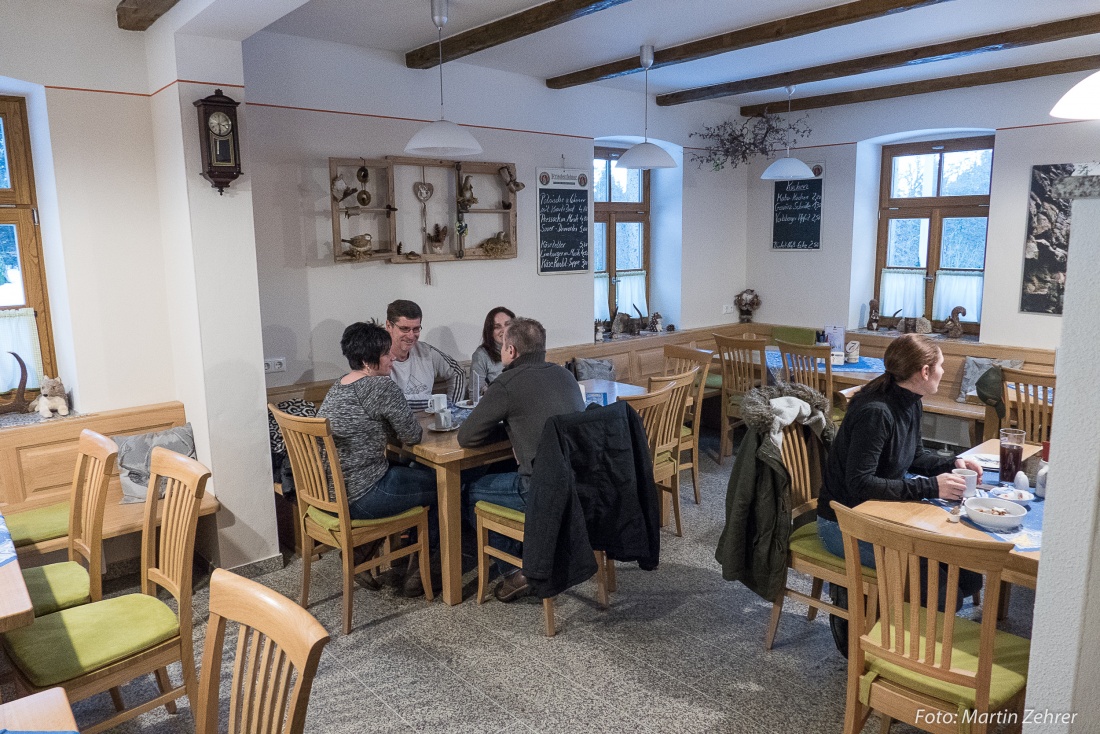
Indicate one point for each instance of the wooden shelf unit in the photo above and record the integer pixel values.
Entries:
(378, 219)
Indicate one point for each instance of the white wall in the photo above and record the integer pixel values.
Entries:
(307, 299)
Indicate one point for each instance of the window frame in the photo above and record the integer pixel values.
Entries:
(612, 213)
(19, 206)
(934, 208)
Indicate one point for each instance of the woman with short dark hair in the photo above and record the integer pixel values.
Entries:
(485, 362)
(366, 411)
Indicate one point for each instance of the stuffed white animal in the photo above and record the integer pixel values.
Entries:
(51, 398)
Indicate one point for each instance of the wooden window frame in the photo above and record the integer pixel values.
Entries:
(612, 213)
(934, 208)
(19, 206)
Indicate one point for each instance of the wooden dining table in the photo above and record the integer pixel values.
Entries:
(47, 710)
(1022, 567)
(15, 603)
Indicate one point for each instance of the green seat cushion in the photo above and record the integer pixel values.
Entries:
(42, 523)
(685, 431)
(662, 457)
(57, 586)
(795, 335)
(330, 522)
(806, 543)
(714, 381)
(500, 511)
(1010, 659)
(73, 642)
(734, 400)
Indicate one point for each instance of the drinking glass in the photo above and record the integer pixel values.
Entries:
(1012, 454)
(475, 388)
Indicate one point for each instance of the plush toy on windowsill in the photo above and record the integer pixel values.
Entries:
(51, 398)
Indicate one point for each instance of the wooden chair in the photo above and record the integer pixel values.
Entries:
(679, 360)
(663, 418)
(1029, 403)
(744, 366)
(810, 366)
(323, 513)
(803, 460)
(95, 647)
(917, 664)
(278, 648)
(509, 523)
(58, 586)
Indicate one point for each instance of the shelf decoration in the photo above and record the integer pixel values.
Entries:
(363, 221)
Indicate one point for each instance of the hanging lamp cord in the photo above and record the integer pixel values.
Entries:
(440, 29)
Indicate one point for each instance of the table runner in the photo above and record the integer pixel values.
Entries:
(7, 549)
(33, 731)
(1028, 537)
(865, 364)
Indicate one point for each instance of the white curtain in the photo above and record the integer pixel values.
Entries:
(630, 293)
(19, 334)
(902, 288)
(958, 288)
(601, 311)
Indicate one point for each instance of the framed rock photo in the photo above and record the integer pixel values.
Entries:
(1046, 246)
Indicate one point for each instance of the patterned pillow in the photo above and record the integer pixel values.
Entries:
(301, 408)
(595, 369)
(975, 367)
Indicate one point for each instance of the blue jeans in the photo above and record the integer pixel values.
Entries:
(969, 581)
(401, 488)
(506, 489)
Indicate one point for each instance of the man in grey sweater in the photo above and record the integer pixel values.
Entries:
(528, 391)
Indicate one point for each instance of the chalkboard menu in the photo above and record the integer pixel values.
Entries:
(563, 220)
(797, 215)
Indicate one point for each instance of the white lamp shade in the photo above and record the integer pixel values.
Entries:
(1081, 102)
(787, 169)
(646, 155)
(442, 139)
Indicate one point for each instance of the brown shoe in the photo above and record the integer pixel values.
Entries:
(512, 587)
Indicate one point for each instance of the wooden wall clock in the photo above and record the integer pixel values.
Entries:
(219, 139)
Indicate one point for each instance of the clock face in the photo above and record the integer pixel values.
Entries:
(219, 123)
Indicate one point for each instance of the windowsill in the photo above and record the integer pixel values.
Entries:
(893, 334)
(628, 337)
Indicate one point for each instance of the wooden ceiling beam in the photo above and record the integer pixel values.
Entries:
(776, 30)
(138, 15)
(524, 23)
(1016, 38)
(962, 81)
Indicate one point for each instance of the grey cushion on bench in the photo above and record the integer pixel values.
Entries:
(975, 367)
(594, 369)
(134, 455)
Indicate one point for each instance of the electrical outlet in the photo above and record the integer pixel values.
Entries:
(727, 309)
(278, 364)
(267, 366)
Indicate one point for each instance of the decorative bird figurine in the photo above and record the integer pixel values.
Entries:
(466, 197)
(436, 239)
(510, 179)
(340, 188)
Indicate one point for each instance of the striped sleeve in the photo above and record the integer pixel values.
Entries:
(446, 368)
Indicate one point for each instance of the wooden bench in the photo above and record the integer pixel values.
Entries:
(38, 462)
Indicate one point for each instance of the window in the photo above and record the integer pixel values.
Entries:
(933, 212)
(620, 237)
(24, 307)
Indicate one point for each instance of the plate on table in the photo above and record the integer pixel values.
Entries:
(1011, 494)
(442, 430)
(464, 404)
(985, 461)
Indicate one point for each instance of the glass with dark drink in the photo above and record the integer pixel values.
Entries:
(1012, 454)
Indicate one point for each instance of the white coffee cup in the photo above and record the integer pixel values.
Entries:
(438, 402)
(971, 478)
(443, 419)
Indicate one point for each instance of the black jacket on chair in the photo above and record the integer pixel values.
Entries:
(592, 489)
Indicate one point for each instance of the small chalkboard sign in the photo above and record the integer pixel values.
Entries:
(797, 215)
(563, 220)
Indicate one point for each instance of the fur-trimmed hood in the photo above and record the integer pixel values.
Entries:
(758, 413)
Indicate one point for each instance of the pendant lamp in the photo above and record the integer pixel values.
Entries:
(1081, 102)
(646, 155)
(442, 138)
(787, 168)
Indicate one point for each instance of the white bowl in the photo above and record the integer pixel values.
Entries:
(1008, 494)
(978, 510)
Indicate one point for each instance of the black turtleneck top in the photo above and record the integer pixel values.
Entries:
(878, 442)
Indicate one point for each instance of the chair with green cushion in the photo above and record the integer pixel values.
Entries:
(744, 366)
(95, 647)
(60, 586)
(802, 454)
(41, 530)
(323, 514)
(937, 667)
(510, 523)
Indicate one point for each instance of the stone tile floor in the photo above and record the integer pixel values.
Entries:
(680, 650)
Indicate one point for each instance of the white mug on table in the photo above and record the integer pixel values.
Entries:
(971, 478)
(438, 403)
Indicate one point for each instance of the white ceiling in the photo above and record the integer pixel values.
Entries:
(402, 25)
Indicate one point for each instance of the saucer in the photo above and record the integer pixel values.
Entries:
(464, 404)
(442, 430)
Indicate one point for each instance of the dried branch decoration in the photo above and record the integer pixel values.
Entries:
(734, 143)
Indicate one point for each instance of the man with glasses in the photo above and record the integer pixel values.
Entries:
(416, 364)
